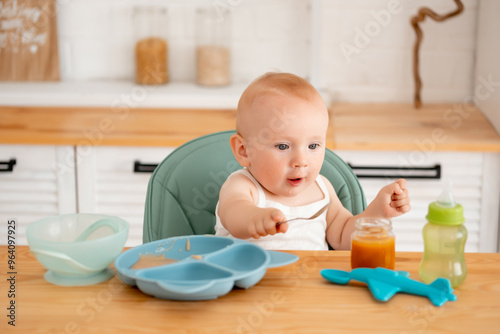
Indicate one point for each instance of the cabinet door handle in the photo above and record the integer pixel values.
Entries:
(7, 166)
(139, 167)
(396, 172)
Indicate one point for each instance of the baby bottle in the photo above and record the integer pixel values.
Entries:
(444, 241)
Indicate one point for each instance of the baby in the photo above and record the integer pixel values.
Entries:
(281, 126)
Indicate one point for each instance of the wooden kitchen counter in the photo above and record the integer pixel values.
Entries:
(396, 127)
(352, 126)
(108, 126)
(289, 299)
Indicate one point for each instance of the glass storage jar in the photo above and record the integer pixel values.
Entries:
(373, 244)
(213, 54)
(151, 48)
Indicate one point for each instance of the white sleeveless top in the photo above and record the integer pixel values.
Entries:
(301, 234)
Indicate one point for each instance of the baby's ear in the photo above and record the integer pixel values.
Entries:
(239, 147)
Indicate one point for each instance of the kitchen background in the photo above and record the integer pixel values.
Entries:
(96, 40)
(352, 51)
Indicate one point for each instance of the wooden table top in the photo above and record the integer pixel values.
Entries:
(382, 126)
(289, 299)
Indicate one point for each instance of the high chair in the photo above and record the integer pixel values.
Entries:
(184, 189)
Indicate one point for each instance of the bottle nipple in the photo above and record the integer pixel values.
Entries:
(446, 198)
(446, 211)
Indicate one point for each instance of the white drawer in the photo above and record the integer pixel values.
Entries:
(40, 184)
(107, 183)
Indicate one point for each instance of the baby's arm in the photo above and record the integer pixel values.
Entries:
(240, 215)
(391, 201)
(339, 221)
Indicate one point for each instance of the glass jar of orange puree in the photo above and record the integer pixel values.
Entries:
(373, 244)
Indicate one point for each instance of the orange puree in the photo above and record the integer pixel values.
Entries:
(373, 251)
(151, 260)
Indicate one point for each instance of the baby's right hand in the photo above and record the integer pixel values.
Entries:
(264, 223)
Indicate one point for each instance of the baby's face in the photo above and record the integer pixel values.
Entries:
(286, 142)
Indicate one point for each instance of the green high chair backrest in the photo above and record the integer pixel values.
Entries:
(184, 189)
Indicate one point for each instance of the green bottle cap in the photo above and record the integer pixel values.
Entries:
(442, 215)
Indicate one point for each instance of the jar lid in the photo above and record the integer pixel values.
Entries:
(445, 215)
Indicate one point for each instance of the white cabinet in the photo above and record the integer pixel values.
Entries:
(476, 185)
(52, 180)
(40, 183)
(107, 182)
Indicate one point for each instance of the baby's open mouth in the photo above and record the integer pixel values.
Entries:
(295, 182)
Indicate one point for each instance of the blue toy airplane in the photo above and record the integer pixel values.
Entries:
(384, 283)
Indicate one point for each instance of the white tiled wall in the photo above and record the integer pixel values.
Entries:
(96, 43)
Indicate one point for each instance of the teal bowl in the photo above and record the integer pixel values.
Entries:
(77, 249)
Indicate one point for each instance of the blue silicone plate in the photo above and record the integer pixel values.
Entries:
(207, 266)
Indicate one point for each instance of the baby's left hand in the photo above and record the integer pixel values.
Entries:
(393, 200)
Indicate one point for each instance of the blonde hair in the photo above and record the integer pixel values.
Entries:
(287, 84)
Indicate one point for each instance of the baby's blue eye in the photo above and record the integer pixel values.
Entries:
(313, 146)
(282, 147)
